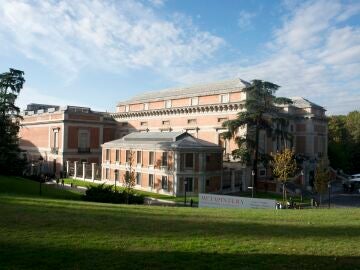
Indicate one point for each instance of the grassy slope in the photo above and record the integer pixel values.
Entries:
(43, 233)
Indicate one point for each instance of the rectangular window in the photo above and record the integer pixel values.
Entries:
(168, 104)
(116, 173)
(107, 173)
(138, 157)
(151, 180)
(194, 101)
(143, 124)
(126, 108)
(128, 155)
(220, 120)
(146, 106)
(164, 182)
(224, 98)
(151, 158)
(189, 160)
(138, 179)
(107, 154)
(56, 138)
(117, 155)
(189, 184)
(164, 160)
(191, 121)
(83, 139)
(166, 122)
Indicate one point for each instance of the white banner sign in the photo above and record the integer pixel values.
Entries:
(223, 201)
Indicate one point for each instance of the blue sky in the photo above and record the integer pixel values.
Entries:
(96, 53)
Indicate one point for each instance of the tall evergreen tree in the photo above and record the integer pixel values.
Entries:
(11, 84)
(261, 112)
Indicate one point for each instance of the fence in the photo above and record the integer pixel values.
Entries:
(84, 170)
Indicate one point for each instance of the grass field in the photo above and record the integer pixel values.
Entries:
(45, 233)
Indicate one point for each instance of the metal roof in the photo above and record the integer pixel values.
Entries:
(162, 140)
(190, 91)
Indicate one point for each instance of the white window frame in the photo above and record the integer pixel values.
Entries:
(146, 106)
(224, 98)
(84, 131)
(127, 108)
(168, 103)
(153, 180)
(56, 138)
(194, 101)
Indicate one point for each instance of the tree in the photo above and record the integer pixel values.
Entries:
(344, 142)
(284, 166)
(262, 112)
(322, 177)
(129, 177)
(11, 84)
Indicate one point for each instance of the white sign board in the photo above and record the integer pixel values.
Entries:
(224, 201)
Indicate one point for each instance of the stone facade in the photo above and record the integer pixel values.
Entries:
(163, 163)
(60, 134)
(201, 109)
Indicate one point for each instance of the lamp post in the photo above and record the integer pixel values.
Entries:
(185, 185)
(302, 183)
(252, 179)
(329, 188)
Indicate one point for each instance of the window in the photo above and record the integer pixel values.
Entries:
(224, 98)
(144, 124)
(107, 173)
(194, 101)
(117, 155)
(189, 160)
(107, 154)
(164, 182)
(146, 106)
(189, 184)
(126, 108)
(138, 179)
(166, 122)
(164, 160)
(191, 121)
(168, 104)
(151, 180)
(220, 120)
(208, 158)
(124, 124)
(56, 138)
(83, 139)
(151, 158)
(138, 157)
(128, 155)
(116, 177)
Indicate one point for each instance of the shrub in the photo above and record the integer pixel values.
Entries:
(105, 193)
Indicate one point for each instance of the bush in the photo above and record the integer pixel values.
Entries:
(105, 193)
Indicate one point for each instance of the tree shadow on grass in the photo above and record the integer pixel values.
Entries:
(20, 256)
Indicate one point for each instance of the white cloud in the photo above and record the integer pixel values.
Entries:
(245, 19)
(312, 55)
(112, 35)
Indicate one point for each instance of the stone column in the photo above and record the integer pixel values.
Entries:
(75, 168)
(232, 180)
(83, 166)
(67, 167)
(93, 171)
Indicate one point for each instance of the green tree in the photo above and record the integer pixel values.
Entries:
(261, 113)
(283, 166)
(129, 177)
(322, 177)
(344, 142)
(11, 84)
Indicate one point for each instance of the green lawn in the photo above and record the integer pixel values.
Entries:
(45, 233)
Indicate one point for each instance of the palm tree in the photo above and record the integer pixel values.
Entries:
(262, 112)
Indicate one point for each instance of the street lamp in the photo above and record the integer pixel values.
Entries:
(302, 183)
(185, 185)
(252, 190)
(329, 188)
